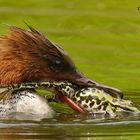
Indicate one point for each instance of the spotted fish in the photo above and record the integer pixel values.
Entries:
(83, 99)
(93, 100)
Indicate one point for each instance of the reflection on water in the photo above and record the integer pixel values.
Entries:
(69, 127)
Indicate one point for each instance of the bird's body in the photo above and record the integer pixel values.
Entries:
(24, 104)
(28, 56)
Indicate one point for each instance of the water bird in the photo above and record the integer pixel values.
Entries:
(29, 56)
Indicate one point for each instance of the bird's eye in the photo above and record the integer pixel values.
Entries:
(57, 65)
(57, 62)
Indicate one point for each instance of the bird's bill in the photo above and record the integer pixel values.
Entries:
(80, 79)
(72, 105)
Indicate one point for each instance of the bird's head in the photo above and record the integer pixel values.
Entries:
(27, 56)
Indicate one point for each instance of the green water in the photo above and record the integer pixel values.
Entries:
(103, 39)
(76, 129)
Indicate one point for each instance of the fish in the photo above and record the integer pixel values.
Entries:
(85, 100)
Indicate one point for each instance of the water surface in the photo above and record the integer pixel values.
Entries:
(75, 126)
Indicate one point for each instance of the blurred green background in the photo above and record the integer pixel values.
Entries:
(102, 37)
